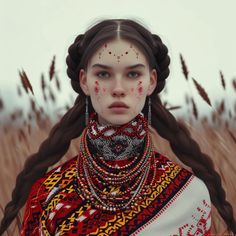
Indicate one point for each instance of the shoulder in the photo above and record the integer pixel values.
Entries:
(199, 191)
(163, 160)
(196, 186)
(71, 163)
(60, 169)
(59, 175)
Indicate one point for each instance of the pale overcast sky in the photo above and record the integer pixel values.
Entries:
(203, 31)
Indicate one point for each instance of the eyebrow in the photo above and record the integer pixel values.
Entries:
(108, 67)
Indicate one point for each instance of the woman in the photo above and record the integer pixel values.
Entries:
(118, 184)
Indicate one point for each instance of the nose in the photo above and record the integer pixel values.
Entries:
(118, 89)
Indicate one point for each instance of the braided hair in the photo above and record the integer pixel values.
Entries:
(72, 123)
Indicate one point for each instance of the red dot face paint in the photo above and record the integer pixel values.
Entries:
(140, 87)
(140, 90)
(96, 88)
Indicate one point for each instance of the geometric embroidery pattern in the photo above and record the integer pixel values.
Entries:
(201, 219)
(59, 209)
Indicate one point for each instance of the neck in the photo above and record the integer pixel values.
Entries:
(120, 142)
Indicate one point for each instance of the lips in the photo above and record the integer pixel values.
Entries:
(118, 104)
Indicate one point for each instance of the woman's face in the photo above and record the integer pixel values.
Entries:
(118, 72)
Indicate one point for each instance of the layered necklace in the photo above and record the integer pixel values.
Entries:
(116, 164)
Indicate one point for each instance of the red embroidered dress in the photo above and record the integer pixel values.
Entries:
(178, 203)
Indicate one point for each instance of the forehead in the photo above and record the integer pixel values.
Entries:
(118, 53)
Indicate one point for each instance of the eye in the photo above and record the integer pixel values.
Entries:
(134, 73)
(102, 73)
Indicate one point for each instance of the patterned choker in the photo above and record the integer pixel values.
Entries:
(117, 142)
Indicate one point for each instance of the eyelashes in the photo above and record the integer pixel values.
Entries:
(137, 74)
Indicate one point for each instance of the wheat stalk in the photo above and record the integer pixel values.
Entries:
(57, 83)
(52, 68)
(173, 108)
(222, 80)
(1, 104)
(202, 92)
(184, 67)
(25, 82)
(51, 94)
(32, 104)
(221, 107)
(43, 84)
(195, 112)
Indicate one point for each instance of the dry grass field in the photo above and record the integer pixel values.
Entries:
(216, 137)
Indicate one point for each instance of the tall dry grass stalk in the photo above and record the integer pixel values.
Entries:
(173, 108)
(184, 67)
(222, 80)
(1, 104)
(195, 112)
(43, 84)
(51, 94)
(202, 92)
(52, 68)
(221, 108)
(58, 85)
(25, 82)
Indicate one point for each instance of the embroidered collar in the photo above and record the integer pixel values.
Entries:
(120, 142)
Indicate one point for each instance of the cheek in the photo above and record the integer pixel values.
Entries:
(98, 88)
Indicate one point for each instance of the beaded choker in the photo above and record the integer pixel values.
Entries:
(116, 184)
(116, 142)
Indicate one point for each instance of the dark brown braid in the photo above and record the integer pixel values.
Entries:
(72, 123)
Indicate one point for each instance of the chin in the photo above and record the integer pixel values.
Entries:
(116, 119)
(120, 119)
